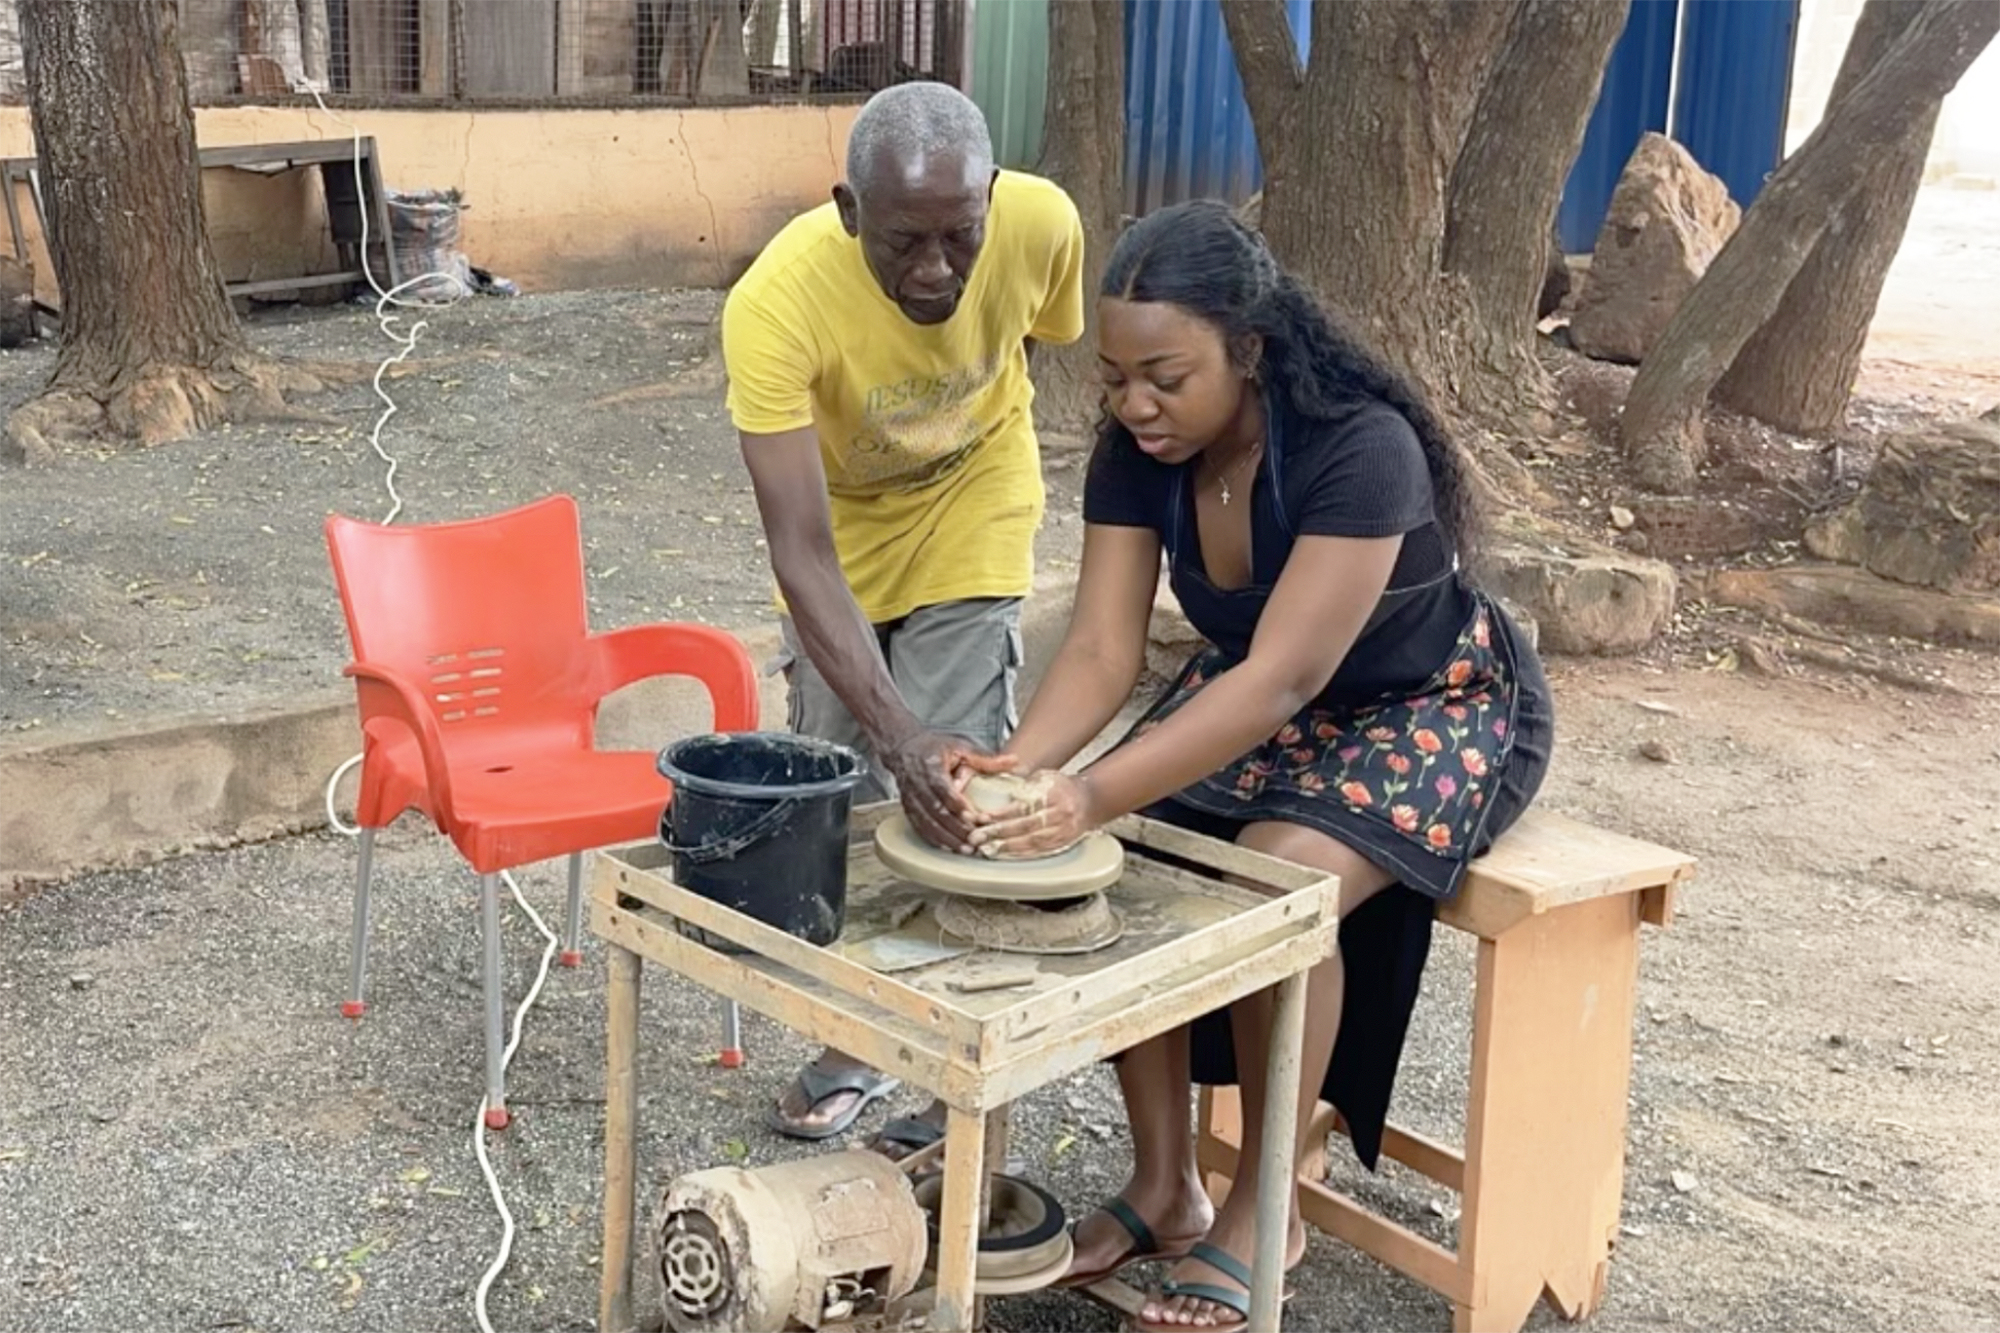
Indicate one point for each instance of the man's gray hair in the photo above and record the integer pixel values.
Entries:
(912, 121)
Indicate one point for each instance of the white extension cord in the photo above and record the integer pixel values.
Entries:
(406, 343)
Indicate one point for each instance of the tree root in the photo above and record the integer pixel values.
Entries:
(162, 403)
(1770, 657)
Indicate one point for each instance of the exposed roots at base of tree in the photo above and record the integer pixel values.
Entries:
(162, 403)
(1771, 657)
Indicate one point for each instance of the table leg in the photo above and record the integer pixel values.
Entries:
(958, 1221)
(621, 1122)
(1277, 1168)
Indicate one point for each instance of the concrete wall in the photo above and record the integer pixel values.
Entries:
(557, 199)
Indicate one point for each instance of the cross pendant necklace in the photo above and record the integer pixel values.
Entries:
(1248, 455)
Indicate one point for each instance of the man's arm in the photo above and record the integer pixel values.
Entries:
(790, 484)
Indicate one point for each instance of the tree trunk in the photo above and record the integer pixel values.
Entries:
(1412, 167)
(1661, 425)
(1083, 150)
(150, 348)
(1798, 370)
(1506, 184)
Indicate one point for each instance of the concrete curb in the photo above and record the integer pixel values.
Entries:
(155, 789)
(159, 788)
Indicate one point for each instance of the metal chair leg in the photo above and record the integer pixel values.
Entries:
(572, 940)
(731, 1055)
(496, 1016)
(356, 1002)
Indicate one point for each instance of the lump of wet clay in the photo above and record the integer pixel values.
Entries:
(991, 793)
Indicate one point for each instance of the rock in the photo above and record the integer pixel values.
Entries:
(1929, 513)
(81, 981)
(1555, 278)
(1658, 751)
(1842, 595)
(1668, 219)
(1622, 518)
(1600, 602)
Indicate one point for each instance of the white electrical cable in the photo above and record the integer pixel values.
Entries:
(406, 343)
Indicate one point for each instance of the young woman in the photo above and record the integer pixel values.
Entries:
(1360, 706)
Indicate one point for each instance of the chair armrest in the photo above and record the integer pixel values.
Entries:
(714, 657)
(384, 693)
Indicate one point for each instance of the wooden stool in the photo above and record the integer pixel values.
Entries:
(1556, 906)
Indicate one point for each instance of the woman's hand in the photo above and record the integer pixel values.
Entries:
(927, 767)
(1060, 818)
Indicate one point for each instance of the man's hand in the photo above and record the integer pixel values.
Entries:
(931, 770)
(1064, 814)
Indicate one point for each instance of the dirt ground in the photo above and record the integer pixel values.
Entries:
(192, 1139)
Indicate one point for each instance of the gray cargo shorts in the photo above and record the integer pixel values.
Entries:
(955, 664)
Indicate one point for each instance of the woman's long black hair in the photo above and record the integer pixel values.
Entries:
(1203, 258)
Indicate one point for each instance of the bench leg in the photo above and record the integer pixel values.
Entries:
(1545, 1119)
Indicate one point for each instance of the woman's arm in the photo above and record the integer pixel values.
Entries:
(1102, 653)
(1329, 587)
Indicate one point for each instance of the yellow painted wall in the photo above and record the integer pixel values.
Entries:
(556, 199)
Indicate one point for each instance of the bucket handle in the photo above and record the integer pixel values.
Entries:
(727, 849)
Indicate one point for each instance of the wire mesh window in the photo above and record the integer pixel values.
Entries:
(558, 50)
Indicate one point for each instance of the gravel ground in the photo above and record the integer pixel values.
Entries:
(192, 1139)
(195, 576)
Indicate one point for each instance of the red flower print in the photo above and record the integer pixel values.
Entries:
(1458, 673)
(1196, 679)
(1398, 764)
(1404, 817)
(1326, 731)
(1311, 783)
(1303, 756)
(1349, 753)
(1356, 793)
(1478, 799)
(1427, 740)
(1475, 763)
(1380, 734)
(1246, 780)
(1438, 836)
(1288, 734)
(1455, 712)
(1447, 786)
(1480, 634)
(1500, 727)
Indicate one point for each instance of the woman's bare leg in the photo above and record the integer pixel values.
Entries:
(1165, 1189)
(1235, 1229)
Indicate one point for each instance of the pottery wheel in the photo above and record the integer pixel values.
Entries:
(1091, 865)
(1025, 1247)
(1084, 927)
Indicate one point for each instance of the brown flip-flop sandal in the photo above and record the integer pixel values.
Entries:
(1146, 1247)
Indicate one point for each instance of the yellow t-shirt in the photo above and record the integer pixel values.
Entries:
(929, 445)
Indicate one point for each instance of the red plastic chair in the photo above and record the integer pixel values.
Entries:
(478, 685)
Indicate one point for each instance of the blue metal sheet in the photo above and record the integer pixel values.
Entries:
(1187, 130)
(1734, 83)
(1633, 100)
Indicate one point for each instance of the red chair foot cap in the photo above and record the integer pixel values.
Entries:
(730, 1058)
(498, 1119)
(570, 958)
(353, 1008)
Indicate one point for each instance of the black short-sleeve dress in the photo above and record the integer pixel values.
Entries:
(1430, 740)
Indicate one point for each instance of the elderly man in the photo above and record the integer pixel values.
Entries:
(877, 354)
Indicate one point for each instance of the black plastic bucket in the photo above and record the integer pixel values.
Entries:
(758, 823)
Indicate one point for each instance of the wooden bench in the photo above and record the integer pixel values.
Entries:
(1556, 907)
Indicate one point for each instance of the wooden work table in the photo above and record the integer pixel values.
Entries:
(1206, 923)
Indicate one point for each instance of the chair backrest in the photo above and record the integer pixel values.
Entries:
(486, 616)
